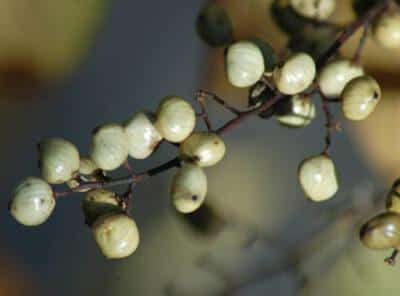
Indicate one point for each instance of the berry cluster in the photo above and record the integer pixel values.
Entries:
(105, 211)
(282, 89)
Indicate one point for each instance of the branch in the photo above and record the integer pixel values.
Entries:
(241, 116)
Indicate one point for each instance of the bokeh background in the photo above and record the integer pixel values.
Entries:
(67, 66)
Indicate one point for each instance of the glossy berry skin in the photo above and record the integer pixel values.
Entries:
(116, 235)
(317, 176)
(33, 202)
(109, 147)
(176, 119)
(386, 31)
(393, 198)
(244, 64)
(142, 135)
(296, 74)
(98, 202)
(319, 10)
(188, 188)
(381, 232)
(203, 149)
(336, 74)
(360, 97)
(214, 25)
(58, 159)
(297, 111)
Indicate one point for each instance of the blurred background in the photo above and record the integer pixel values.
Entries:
(67, 66)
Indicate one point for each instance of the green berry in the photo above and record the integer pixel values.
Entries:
(98, 202)
(214, 25)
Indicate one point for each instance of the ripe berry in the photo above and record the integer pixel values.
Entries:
(335, 75)
(59, 160)
(244, 64)
(116, 235)
(320, 9)
(176, 119)
(109, 147)
(296, 111)
(296, 74)
(33, 202)
(203, 149)
(386, 30)
(214, 25)
(188, 188)
(360, 97)
(98, 202)
(142, 136)
(317, 176)
(381, 232)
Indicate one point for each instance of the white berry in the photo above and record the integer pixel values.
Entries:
(315, 9)
(142, 136)
(386, 31)
(360, 97)
(33, 202)
(59, 160)
(244, 64)
(176, 119)
(116, 235)
(317, 176)
(109, 147)
(98, 202)
(298, 111)
(203, 148)
(188, 188)
(336, 74)
(296, 74)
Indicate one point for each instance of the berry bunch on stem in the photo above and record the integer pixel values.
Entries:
(282, 89)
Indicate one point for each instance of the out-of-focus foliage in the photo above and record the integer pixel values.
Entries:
(44, 39)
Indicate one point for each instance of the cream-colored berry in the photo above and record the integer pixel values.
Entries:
(317, 176)
(86, 170)
(299, 111)
(59, 160)
(142, 136)
(87, 166)
(176, 119)
(386, 30)
(33, 202)
(315, 9)
(188, 188)
(296, 74)
(244, 64)
(98, 202)
(335, 75)
(109, 147)
(116, 235)
(203, 149)
(360, 97)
